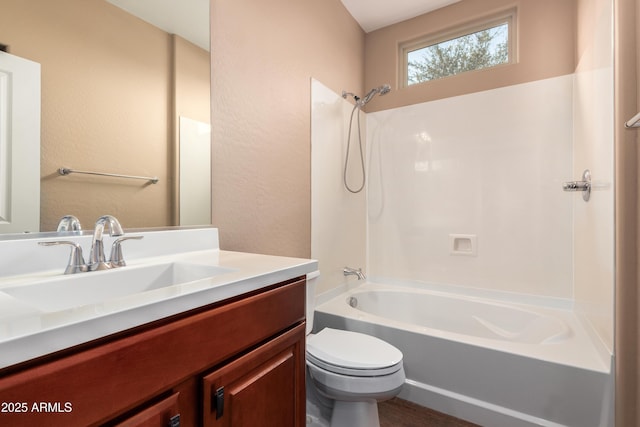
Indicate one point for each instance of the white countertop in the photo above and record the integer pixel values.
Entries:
(27, 332)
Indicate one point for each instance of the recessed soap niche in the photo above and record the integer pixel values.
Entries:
(463, 244)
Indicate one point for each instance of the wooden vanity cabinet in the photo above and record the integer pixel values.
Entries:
(236, 363)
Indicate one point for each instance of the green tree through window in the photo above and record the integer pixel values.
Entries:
(482, 49)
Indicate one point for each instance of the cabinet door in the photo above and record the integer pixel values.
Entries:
(264, 388)
(163, 414)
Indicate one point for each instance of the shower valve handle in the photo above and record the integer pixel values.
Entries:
(576, 186)
(584, 185)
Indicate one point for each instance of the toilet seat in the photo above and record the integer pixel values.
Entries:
(352, 353)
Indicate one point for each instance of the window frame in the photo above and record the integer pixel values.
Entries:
(508, 17)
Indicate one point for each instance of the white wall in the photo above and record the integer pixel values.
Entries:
(594, 150)
(195, 172)
(490, 165)
(338, 217)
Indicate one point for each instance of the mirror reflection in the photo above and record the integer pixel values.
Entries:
(114, 88)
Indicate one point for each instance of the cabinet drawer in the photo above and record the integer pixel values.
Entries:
(111, 379)
(165, 413)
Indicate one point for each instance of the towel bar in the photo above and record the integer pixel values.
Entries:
(633, 122)
(67, 171)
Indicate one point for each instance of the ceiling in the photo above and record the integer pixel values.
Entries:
(187, 18)
(190, 18)
(375, 14)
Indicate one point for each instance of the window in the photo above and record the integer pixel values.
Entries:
(472, 48)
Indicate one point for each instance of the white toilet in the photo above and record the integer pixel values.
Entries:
(348, 373)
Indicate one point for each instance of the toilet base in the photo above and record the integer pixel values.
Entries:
(355, 414)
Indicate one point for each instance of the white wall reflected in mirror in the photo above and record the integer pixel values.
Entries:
(195, 172)
(19, 144)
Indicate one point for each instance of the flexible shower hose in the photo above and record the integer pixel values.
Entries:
(346, 160)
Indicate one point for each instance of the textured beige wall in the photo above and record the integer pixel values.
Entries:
(107, 105)
(264, 55)
(627, 325)
(546, 48)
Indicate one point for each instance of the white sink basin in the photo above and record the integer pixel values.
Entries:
(69, 291)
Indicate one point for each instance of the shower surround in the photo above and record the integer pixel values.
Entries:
(465, 196)
(468, 190)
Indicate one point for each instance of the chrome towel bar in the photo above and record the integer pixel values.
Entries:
(67, 171)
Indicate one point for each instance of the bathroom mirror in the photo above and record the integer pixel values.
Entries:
(117, 77)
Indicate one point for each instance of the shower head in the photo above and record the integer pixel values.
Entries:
(382, 90)
(360, 102)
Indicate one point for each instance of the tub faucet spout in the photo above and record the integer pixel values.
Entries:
(348, 271)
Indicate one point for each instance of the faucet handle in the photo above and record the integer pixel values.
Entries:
(116, 259)
(76, 262)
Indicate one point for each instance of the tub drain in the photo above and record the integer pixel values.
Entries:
(353, 302)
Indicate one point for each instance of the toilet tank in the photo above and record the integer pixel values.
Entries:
(312, 278)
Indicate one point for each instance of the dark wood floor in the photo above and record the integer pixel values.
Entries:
(401, 413)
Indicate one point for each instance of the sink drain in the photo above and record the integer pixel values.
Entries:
(353, 302)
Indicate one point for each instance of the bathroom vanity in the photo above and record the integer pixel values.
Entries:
(221, 351)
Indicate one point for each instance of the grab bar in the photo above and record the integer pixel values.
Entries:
(633, 122)
(67, 171)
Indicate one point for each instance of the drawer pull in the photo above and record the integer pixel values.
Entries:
(174, 421)
(218, 402)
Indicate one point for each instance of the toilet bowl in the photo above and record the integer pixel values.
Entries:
(349, 372)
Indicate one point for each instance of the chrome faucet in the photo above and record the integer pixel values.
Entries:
(348, 271)
(69, 223)
(97, 260)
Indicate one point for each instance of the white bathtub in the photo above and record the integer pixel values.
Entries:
(491, 362)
